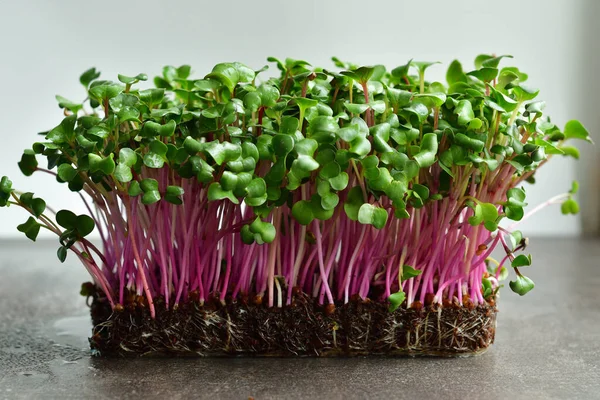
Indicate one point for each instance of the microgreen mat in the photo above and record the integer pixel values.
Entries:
(355, 180)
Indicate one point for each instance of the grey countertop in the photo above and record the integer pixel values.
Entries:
(547, 345)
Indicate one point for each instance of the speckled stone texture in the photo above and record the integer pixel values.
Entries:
(547, 345)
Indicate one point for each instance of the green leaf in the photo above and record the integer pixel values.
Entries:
(122, 101)
(516, 197)
(193, 146)
(84, 225)
(521, 285)
(36, 205)
(353, 203)
(464, 110)
(153, 129)
(329, 201)
(514, 213)
(469, 143)
(493, 62)
(268, 95)
(360, 146)
(356, 108)
(516, 238)
(409, 272)
(428, 150)
(489, 212)
(484, 74)
(402, 71)
(149, 184)
(61, 253)
(487, 288)
(525, 93)
(252, 101)
(246, 74)
(105, 91)
(289, 125)
(68, 104)
(521, 261)
(127, 157)
(330, 170)
(490, 226)
(570, 151)
(173, 193)
(256, 188)
(134, 189)
(455, 73)
(304, 104)
(398, 98)
(569, 206)
(149, 187)
(575, 130)
(106, 165)
(348, 133)
(282, 144)
(5, 185)
(132, 79)
(477, 217)
(128, 114)
(419, 110)
(423, 65)
(153, 160)
(256, 201)
(66, 219)
(421, 190)
(64, 132)
(30, 228)
(205, 85)
(5, 191)
(216, 192)
(396, 299)
(226, 74)
(246, 235)
(66, 172)
(28, 164)
(431, 100)
(372, 215)
(152, 97)
(538, 154)
(88, 76)
(574, 187)
(223, 152)
(151, 197)
(263, 231)
(339, 182)
(362, 74)
(302, 212)
(123, 173)
(381, 136)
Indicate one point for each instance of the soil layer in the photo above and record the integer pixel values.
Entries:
(303, 328)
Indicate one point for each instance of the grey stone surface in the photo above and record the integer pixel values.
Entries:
(547, 345)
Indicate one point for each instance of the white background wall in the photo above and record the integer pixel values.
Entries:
(45, 45)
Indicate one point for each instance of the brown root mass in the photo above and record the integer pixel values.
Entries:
(304, 328)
